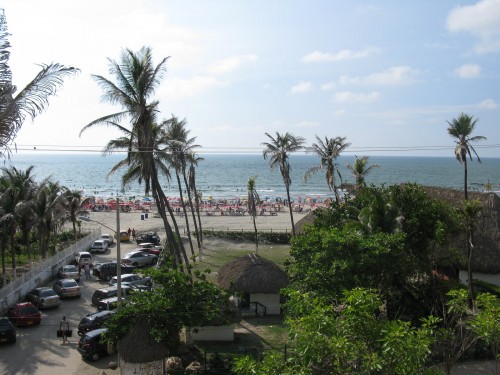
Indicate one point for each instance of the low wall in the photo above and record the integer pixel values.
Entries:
(42, 272)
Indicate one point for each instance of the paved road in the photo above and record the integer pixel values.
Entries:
(39, 352)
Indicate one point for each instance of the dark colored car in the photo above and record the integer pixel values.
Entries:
(148, 237)
(90, 346)
(93, 321)
(108, 292)
(106, 271)
(7, 331)
(25, 314)
(43, 298)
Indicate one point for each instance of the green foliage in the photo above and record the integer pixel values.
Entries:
(264, 237)
(352, 338)
(174, 302)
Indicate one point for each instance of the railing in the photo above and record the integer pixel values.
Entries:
(258, 309)
(42, 271)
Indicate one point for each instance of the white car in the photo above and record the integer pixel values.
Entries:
(107, 237)
(132, 279)
(83, 257)
(99, 246)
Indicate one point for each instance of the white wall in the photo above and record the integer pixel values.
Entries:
(42, 272)
(271, 301)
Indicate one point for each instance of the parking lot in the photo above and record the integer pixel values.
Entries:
(39, 351)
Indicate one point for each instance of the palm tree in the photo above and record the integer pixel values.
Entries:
(360, 169)
(31, 100)
(278, 151)
(72, 203)
(8, 223)
(136, 81)
(471, 210)
(253, 199)
(461, 129)
(179, 145)
(328, 151)
(193, 160)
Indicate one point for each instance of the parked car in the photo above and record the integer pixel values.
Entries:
(124, 236)
(93, 321)
(25, 314)
(90, 346)
(111, 291)
(69, 271)
(83, 257)
(99, 246)
(148, 237)
(7, 331)
(43, 298)
(107, 237)
(150, 248)
(67, 288)
(139, 258)
(132, 279)
(105, 271)
(109, 304)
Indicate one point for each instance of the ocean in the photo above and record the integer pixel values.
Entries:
(226, 175)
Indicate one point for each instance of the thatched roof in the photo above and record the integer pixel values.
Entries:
(137, 346)
(308, 219)
(252, 274)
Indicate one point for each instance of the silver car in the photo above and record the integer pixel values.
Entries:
(68, 272)
(132, 279)
(43, 298)
(67, 288)
(139, 258)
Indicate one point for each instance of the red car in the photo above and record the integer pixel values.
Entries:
(150, 248)
(25, 314)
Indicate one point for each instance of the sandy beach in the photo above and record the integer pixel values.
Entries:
(137, 220)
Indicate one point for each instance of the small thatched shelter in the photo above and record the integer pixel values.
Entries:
(137, 348)
(256, 279)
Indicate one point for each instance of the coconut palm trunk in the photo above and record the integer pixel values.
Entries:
(183, 204)
(191, 206)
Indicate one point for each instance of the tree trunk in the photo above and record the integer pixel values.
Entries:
(470, 248)
(290, 208)
(13, 253)
(190, 200)
(197, 200)
(185, 213)
(465, 179)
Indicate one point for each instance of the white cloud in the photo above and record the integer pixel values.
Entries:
(229, 64)
(355, 97)
(468, 71)
(394, 76)
(481, 20)
(301, 87)
(487, 104)
(345, 54)
(177, 88)
(328, 86)
(339, 112)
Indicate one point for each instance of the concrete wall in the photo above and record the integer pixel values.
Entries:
(213, 333)
(271, 301)
(42, 272)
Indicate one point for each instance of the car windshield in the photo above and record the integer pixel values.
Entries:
(70, 269)
(48, 293)
(29, 310)
(68, 283)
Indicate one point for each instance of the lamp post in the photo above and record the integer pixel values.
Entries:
(118, 255)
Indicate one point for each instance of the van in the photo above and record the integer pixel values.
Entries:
(105, 293)
(99, 246)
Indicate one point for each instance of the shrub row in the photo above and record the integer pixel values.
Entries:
(264, 237)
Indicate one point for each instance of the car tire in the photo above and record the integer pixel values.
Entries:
(154, 261)
(148, 284)
(107, 277)
(95, 356)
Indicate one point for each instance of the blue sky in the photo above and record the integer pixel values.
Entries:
(385, 74)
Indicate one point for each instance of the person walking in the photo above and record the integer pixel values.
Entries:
(87, 271)
(133, 234)
(64, 328)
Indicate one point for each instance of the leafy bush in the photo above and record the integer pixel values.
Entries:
(264, 237)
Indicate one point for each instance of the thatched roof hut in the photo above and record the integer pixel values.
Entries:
(308, 219)
(252, 274)
(137, 346)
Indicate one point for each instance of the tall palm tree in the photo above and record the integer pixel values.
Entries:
(471, 211)
(253, 199)
(193, 160)
(328, 151)
(461, 129)
(8, 223)
(179, 145)
(278, 151)
(136, 81)
(72, 203)
(31, 100)
(360, 169)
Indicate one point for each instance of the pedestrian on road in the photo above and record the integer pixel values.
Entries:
(129, 231)
(87, 270)
(64, 328)
(133, 234)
